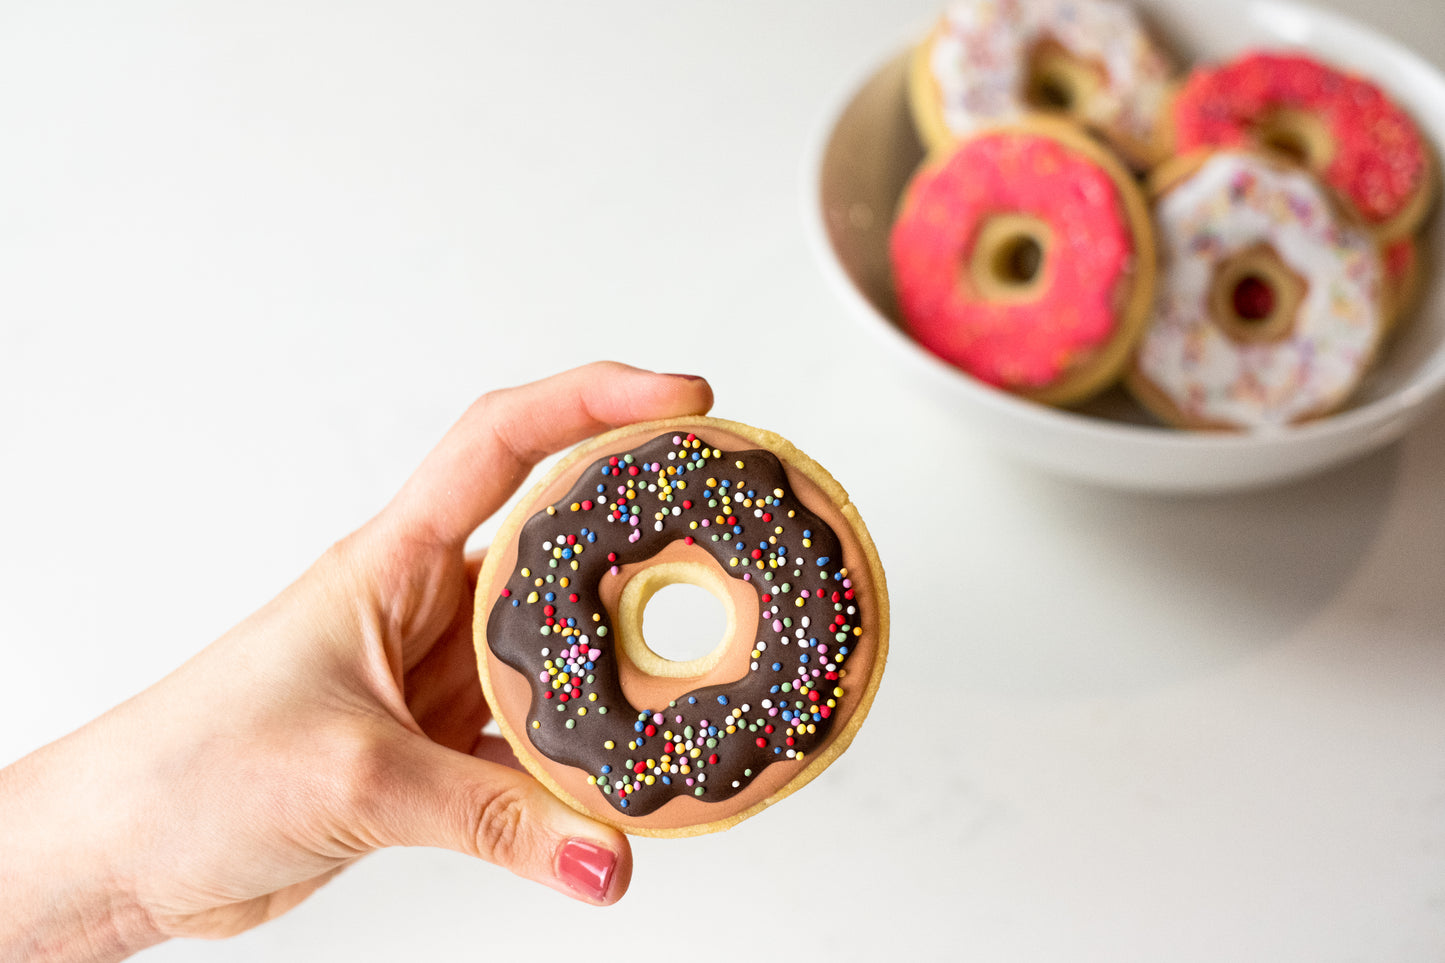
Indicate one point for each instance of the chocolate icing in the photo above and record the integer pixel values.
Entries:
(550, 623)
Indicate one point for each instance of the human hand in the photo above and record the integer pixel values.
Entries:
(342, 717)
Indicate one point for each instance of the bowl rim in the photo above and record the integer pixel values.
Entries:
(1426, 383)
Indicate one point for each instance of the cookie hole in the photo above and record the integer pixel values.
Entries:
(683, 623)
(1018, 260)
(1058, 81)
(1289, 143)
(1253, 298)
(1297, 136)
(1255, 295)
(1052, 92)
(1008, 259)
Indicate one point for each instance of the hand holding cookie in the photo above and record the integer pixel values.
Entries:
(343, 717)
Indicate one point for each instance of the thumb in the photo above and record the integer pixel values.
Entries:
(487, 454)
(428, 795)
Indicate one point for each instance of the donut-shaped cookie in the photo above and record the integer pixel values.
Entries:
(654, 746)
(992, 62)
(1339, 125)
(1024, 256)
(1268, 310)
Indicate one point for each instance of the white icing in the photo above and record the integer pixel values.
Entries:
(1234, 202)
(980, 59)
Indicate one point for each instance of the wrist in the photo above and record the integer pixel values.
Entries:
(63, 900)
(77, 928)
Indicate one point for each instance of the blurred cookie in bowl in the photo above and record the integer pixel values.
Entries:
(991, 62)
(1269, 309)
(1338, 124)
(1024, 256)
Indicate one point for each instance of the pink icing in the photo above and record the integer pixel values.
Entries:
(1014, 345)
(1380, 159)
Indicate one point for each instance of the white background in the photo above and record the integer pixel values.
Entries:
(256, 256)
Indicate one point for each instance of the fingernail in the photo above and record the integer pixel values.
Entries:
(586, 867)
(689, 377)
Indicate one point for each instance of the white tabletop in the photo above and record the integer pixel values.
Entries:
(254, 259)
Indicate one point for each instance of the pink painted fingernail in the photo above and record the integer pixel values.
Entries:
(586, 867)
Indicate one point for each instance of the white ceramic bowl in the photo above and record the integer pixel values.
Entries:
(867, 150)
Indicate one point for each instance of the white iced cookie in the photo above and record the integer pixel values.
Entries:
(1268, 304)
(990, 62)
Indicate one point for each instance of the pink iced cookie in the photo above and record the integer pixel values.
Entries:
(1341, 126)
(1025, 257)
